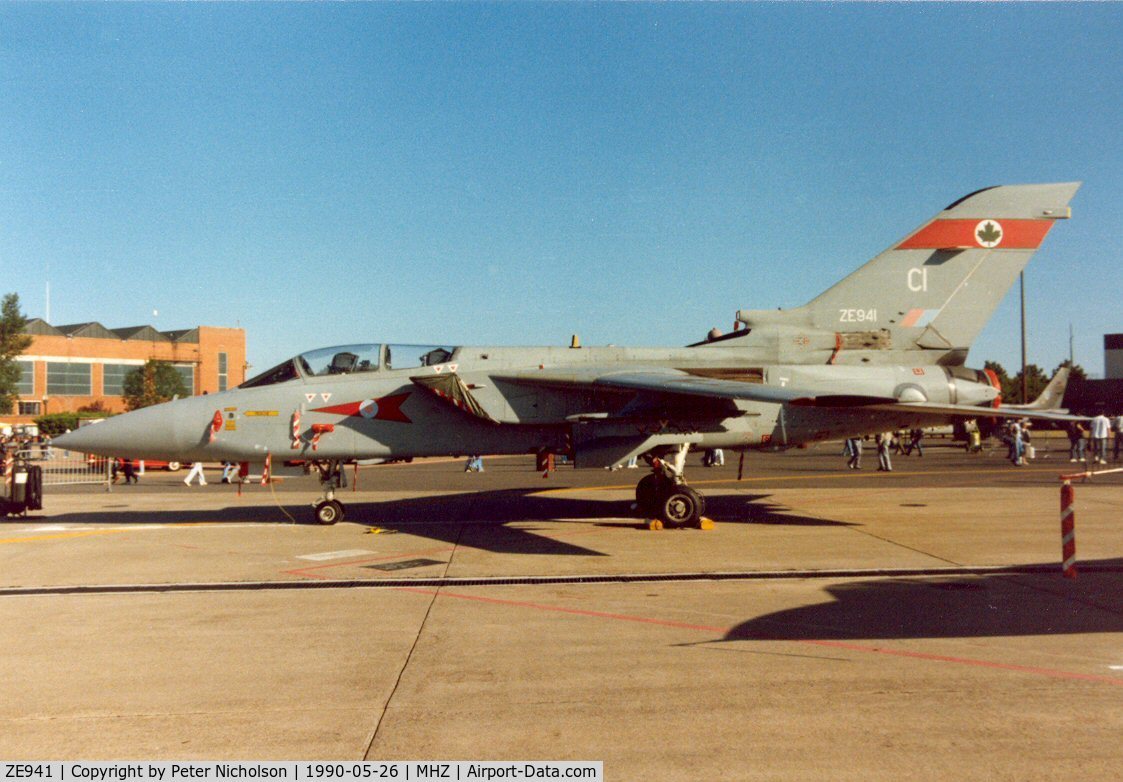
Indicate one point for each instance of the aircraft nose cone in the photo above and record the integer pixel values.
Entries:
(150, 433)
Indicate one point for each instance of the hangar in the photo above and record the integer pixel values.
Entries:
(1089, 397)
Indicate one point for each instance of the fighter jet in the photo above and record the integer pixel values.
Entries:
(883, 349)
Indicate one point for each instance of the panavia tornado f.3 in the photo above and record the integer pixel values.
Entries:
(883, 349)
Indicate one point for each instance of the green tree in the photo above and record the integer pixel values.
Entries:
(997, 369)
(1077, 374)
(151, 384)
(13, 341)
(1035, 384)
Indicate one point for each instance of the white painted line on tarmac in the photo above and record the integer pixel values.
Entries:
(1115, 667)
(354, 552)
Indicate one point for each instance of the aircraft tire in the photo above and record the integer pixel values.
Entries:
(681, 506)
(329, 512)
(174, 466)
(701, 499)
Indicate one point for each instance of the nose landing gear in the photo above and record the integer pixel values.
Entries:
(329, 510)
(664, 496)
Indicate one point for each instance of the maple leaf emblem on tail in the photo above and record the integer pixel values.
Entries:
(989, 233)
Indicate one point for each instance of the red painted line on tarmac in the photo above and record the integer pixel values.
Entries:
(1046, 672)
(564, 610)
(1050, 672)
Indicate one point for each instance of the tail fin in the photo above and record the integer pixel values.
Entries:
(931, 293)
(1051, 397)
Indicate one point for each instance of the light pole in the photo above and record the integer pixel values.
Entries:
(1022, 286)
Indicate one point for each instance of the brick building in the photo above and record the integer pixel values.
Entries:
(69, 367)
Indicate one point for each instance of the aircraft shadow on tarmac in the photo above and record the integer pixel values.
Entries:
(752, 509)
(481, 520)
(989, 606)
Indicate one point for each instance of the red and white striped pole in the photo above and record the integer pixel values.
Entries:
(1068, 530)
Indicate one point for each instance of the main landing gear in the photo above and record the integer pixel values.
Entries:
(329, 510)
(664, 496)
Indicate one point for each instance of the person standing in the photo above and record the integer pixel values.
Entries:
(1101, 428)
(129, 467)
(1118, 437)
(1017, 447)
(196, 472)
(229, 470)
(884, 443)
(854, 450)
(974, 440)
(915, 436)
(1075, 441)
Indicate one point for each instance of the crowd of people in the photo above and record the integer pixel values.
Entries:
(887, 443)
(1087, 442)
(37, 446)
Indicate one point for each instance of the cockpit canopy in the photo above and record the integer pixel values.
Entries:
(340, 360)
(349, 359)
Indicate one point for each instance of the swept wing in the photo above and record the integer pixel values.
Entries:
(674, 382)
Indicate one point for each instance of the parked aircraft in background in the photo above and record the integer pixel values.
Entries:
(883, 349)
(1049, 400)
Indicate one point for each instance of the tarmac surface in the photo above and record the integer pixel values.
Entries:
(833, 625)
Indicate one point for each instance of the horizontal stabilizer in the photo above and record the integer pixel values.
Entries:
(1051, 397)
(970, 411)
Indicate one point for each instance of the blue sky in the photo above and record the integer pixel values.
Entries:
(513, 173)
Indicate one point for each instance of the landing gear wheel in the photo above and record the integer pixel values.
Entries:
(701, 500)
(174, 466)
(647, 495)
(329, 512)
(682, 507)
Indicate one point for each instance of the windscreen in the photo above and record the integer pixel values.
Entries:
(278, 374)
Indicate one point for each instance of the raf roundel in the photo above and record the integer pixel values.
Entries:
(988, 233)
(369, 409)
